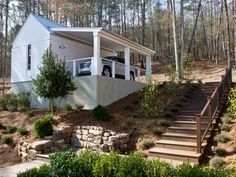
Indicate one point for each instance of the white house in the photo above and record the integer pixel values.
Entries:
(88, 53)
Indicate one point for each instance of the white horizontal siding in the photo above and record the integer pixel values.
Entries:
(73, 49)
(19, 71)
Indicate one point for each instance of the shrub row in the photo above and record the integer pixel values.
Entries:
(90, 164)
(13, 102)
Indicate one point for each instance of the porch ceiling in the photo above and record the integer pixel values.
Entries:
(108, 39)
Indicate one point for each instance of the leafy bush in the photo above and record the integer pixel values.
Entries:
(3, 104)
(79, 107)
(159, 168)
(216, 162)
(107, 165)
(232, 101)
(168, 115)
(157, 131)
(150, 104)
(36, 172)
(222, 138)
(65, 163)
(170, 72)
(23, 101)
(100, 113)
(30, 113)
(22, 131)
(7, 139)
(43, 127)
(179, 104)
(11, 129)
(133, 165)
(164, 123)
(174, 110)
(227, 118)
(87, 160)
(219, 151)
(225, 127)
(172, 87)
(11, 102)
(68, 107)
(145, 144)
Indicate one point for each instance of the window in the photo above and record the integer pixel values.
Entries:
(29, 57)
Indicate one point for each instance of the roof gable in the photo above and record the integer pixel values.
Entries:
(48, 24)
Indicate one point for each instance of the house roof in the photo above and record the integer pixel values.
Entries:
(48, 24)
(108, 38)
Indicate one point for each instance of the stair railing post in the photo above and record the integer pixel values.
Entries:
(198, 129)
(209, 109)
(223, 85)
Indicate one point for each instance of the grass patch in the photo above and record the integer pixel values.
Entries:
(216, 162)
(145, 144)
(222, 138)
(225, 127)
(164, 123)
(157, 131)
(7, 139)
(22, 131)
(11, 129)
(219, 151)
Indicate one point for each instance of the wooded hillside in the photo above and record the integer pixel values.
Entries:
(203, 28)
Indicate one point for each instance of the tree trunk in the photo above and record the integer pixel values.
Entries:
(181, 53)
(50, 105)
(228, 32)
(175, 40)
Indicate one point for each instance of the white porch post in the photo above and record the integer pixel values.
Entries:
(127, 63)
(148, 69)
(96, 54)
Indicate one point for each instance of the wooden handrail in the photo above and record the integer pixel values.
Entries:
(225, 82)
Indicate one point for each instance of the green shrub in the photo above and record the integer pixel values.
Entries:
(65, 163)
(11, 102)
(30, 113)
(219, 151)
(68, 107)
(232, 101)
(11, 129)
(79, 107)
(36, 172)
(133, 165)
(225, 127)
(3, 104)
(43, 127)
(179, 104)
(151, 104)
(22, 131)
(159, 168)
(23, 101)
(174, 110)
(100, 113)
(168, 115)
(184, 100)
(172, 87)
(157, 131)
(145, 144)
(107, 165)
(164, 123)
(216, 162)
(227, 118)
(87, 160)
(7, 139)
(222, 138)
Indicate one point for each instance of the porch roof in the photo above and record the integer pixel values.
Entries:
(109, 39)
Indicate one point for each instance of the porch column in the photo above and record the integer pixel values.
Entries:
(127, 63)
(96, 54)
(148, 69)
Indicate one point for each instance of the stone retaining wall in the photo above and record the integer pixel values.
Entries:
(59, 140)
(90, 137)
(98, 138)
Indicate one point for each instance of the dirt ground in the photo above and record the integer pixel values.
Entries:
(122, 113)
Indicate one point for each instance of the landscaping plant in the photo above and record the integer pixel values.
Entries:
(11, 102)
(7, 139)
(216, 162)
(221, 138)
(11, 129)
(100, 113)
(219, 151)
(145, 144)
(54, 79)
(22, 131)
(43, 126)
(23, 101)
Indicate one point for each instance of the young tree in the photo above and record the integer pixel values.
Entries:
(54, 80)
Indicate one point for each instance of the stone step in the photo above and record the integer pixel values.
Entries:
(183, 145)
(43, 157)
(175, 154)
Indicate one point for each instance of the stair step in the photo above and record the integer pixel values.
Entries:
(190, 130)
(175, 154)
(180, 123)
(184, 145)
(181, 137)
(43, 157)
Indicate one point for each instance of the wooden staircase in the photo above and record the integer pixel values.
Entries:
(179, 143)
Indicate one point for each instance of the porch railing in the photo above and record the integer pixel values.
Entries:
(117, 68)
(210, 109)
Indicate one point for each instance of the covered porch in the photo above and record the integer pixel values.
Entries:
(103, 61)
